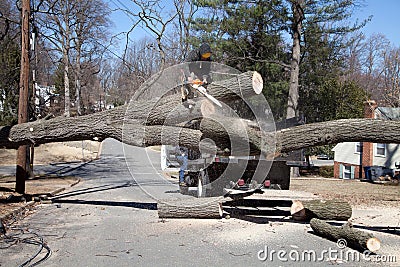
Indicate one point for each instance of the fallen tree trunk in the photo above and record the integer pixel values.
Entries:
(346, 235)
(111, 124)
(332, 132)
(199, 208)
(321, 209)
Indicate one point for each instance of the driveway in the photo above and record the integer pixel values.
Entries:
(110, 219)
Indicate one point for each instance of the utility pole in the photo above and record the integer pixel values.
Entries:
(22, 170)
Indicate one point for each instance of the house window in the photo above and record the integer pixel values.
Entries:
(358, 147)
(381, 149)
(347, 172)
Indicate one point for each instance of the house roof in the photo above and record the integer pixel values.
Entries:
(386, 113)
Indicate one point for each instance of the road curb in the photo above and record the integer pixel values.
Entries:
(59, 190)
(17, 211)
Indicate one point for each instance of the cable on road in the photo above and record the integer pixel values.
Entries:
(22, 236)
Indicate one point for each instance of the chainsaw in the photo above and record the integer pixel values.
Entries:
(198, 85)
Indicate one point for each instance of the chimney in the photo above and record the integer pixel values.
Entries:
(369, 109)
(368, 148)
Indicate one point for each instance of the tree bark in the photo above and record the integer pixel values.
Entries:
(321, 209)
(354, 238)
(202, 208)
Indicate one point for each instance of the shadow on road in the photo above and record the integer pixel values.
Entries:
(68, 168)
(60, 198)
(137, 205)
(93, 190)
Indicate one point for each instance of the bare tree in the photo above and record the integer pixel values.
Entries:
(75, 30)
(177, 39)
(141, 61)
(8, 20)
(372, 61)
(374, 64)
(90, 29)
(391, 77)
(154, 18)
(169, 25)
(56, 26)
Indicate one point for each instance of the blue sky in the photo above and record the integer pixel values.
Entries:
(385, 20)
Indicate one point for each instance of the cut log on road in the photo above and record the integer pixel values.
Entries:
(201, 208)
(353, 238)
(321, 209)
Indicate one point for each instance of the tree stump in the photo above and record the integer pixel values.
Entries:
(321, 209)
(199, 208)
(355, 239)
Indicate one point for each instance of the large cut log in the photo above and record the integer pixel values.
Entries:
(346, 235)
(225, 88)
(169, 111)
(322, 209)
(241, 86)
(201, 208)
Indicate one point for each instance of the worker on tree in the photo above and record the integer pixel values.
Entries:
(199, 65)
(199, 68)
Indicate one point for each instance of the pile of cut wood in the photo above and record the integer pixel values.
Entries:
(316, 212)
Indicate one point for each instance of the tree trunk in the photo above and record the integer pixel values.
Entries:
(67, 100)
(78, 78)
(202, 208)
(293, 98)
(321, 209)
(352, 238)
(66, 53)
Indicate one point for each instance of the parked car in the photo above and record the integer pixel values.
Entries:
(323, 157)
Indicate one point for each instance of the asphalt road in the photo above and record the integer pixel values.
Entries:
(110, 219)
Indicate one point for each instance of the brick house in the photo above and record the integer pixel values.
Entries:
(351, 157)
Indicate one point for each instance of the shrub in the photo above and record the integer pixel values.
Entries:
(326, 171)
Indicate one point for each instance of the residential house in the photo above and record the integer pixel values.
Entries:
(351, 158)
(45, 97)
